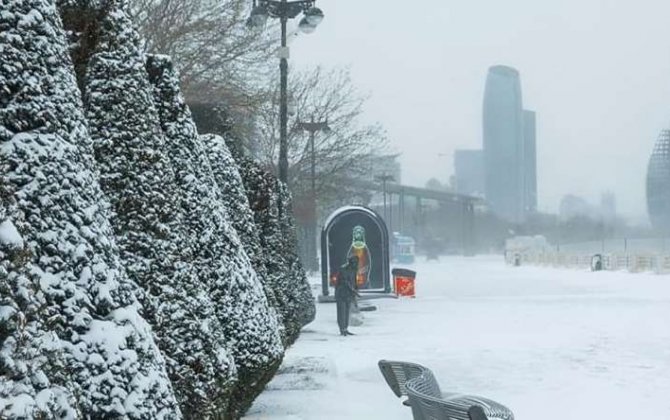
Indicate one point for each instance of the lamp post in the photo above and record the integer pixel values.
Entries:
(313, 127)
(284, 10)
(384, 178)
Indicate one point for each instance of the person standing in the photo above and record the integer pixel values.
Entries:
(345, 293)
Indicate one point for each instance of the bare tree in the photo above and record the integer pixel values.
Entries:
(224, 64)
(220, 60)
(345, 153)
(228, 69)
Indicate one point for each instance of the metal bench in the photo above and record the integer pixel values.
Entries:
(452, 407)
(398, 374)
(477, 413)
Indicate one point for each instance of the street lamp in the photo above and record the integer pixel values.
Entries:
(384, 178)
(284, 10)
(313, 127)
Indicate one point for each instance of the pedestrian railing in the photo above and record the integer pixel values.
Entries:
(634, 263)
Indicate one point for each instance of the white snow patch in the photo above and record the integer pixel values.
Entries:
(91, 211)
(9, 235)
(47, 280)
(6, 312)
(20, 406)
(109, 339)
(548, 343)
(32, 18)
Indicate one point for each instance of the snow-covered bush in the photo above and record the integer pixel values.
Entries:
(236, 202)
(72, 342)
(302, 292)
(218, 254)
(137, 176)
(284, 273)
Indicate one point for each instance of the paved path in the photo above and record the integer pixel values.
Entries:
(550, 344)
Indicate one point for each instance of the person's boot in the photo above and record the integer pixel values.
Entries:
(343, 333)
(348, 333)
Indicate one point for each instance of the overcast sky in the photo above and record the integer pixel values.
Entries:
(597, 73)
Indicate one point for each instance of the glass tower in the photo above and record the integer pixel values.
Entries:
(504, 169)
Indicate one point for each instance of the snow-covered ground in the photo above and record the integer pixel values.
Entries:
(550, 344)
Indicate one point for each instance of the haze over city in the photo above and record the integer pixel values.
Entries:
(596, 72)
(321, 209)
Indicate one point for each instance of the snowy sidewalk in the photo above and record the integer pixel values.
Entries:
(550, 344)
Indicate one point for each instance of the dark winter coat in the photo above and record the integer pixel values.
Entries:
(345, 289)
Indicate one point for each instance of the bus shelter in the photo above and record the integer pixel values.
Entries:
(360, 231)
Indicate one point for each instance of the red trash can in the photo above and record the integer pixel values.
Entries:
(403, 282)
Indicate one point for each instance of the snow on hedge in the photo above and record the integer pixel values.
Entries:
(72, 343)
(284, 272)
(9, 235)
(152, 220)
(218, 254)
(229, 180)
(301, 291)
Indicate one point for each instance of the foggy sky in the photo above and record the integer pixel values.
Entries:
(596, 72)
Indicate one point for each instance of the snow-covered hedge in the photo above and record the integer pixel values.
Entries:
(152, 215)
(221, 260)
(270, 205)
(72, 342)
(133, 276)
(302, 292)
(236, 202)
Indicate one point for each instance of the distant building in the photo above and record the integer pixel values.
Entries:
(573, 206)
(530, 161)
(469, 172)
(503, 121)
(658, 184)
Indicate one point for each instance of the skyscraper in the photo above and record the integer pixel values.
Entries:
(529, 162)
(469, 171)
(658, 184)
(504, 169)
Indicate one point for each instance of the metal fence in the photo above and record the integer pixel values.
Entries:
(634, 263)
(653, 246)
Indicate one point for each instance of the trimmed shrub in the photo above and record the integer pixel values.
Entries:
(72, 341)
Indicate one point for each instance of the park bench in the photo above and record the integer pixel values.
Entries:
(426, 393)
(397, 374)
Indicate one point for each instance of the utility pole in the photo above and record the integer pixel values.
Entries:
(391, 213)
(284, 10)
(313, 127)
(384, 178)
